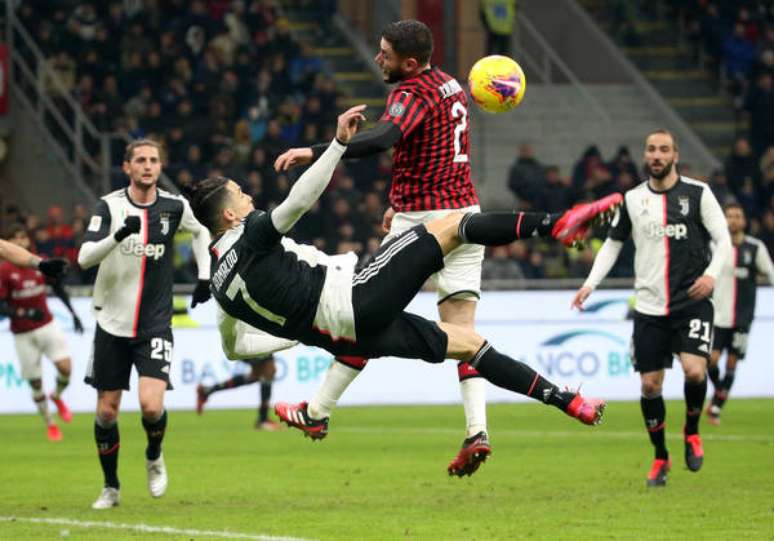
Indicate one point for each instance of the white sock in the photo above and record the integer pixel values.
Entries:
(473, 392)
(337, 379)
(42, 403)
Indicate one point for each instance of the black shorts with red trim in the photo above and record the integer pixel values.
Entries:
(733, 340)
(656, 339)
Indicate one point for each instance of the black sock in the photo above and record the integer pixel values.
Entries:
(263, 411)
(497, 228)
(694, 402)
(236, 381)
(518, 377)
(725, 387)
(155, 432)
(654, 413)
(108, 443)
(714, 375)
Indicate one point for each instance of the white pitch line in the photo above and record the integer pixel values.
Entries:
(145, 528)
(591, 433)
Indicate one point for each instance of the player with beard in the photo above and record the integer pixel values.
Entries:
(671, 220)
(426, 122)
(131, 237)
(263, 279)
(735, 305)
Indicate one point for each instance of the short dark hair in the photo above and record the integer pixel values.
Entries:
(207, 199)
(733, 205)
(12, 230)
(410, 39)
(137, 143)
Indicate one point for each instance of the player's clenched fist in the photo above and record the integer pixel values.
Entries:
(131, 225)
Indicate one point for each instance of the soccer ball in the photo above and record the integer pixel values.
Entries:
(497, 83)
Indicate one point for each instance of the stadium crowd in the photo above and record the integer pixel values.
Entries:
(227, 88)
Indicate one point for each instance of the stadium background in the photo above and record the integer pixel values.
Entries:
(227, 85)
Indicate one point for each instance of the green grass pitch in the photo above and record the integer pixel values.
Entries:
(381, 474)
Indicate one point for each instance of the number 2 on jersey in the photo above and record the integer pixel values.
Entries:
(458, 111)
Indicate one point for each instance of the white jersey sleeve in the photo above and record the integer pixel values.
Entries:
(242, 341)
(200, 242)
(715, 222)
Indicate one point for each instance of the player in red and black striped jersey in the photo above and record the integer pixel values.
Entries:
(23, 300)
(734, 298)
(426, 122)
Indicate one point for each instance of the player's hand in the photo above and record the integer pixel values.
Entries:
(201, 293)
(293, 157)
(77, 324)
(54, 268)
(702, 287)
(580, 297)
(387, 219)
(348, 123)
(131, 225)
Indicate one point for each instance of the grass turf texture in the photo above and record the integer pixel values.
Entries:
(381, 474)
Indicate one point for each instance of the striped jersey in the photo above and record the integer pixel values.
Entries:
(671, 234)
(431, 162)
(735, 288)
(24, 288)
(133, 290)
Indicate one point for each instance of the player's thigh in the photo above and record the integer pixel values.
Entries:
(693, 329)
(458, 311)
(110, 363)
(29, 355)
(651, 343)
(152, 356)
(52, 342)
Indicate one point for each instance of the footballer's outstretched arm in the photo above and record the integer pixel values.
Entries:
(18, 255)
(313, 182)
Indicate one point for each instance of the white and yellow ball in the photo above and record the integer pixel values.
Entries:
(497, 83)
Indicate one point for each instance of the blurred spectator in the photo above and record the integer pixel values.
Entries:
(719, 185)
(527, 176)
(590, 159)
(498, 18)
(59, 235)
(740, 164)
(738, 54)
(557, 193)
(760, 104)
(499, 265)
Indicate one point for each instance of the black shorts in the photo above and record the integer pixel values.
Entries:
(657, 338)
(113, 356)
(409, 336)
(733, 340)
(383, 287)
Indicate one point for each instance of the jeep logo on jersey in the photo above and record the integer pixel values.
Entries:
(673, 231)
(138, 249)
(164, 219)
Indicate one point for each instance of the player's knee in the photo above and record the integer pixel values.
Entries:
(650, 388)
(151, 409)
(36, 384)
(64, 367)
(695, 373)
(107, 412)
